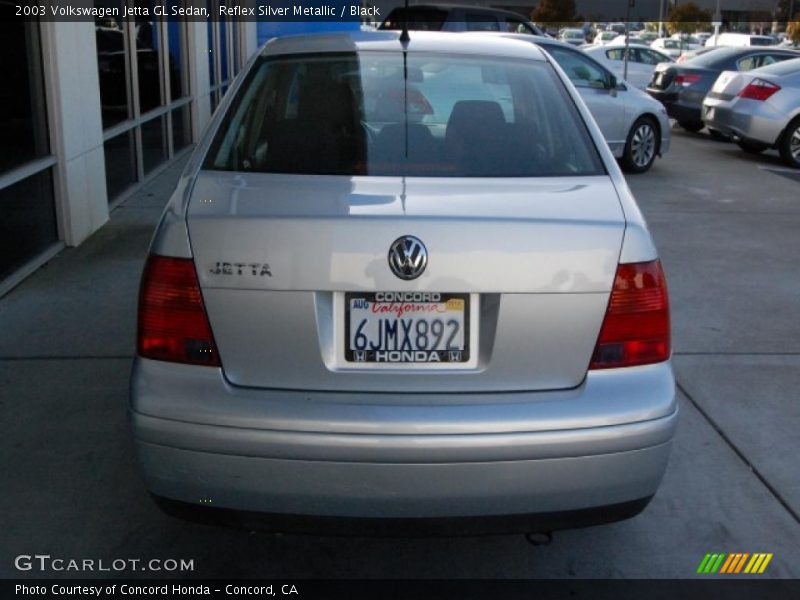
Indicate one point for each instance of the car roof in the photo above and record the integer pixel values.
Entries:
(620, 45)
(734, 50)
(389, 41)
(522, 37)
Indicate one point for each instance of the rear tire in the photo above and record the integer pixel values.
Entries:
(693, 126)
(641, 146)
(752, 147)
(790, 144)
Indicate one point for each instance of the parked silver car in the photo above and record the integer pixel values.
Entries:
(635, 126)
(403, 280)
(642, 61)
(759, 109)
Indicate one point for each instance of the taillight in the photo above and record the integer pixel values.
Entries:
(758, 89)
(635, 330)
(686, 80)
(173, 325)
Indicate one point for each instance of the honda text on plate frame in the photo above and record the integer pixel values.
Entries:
(464, 314)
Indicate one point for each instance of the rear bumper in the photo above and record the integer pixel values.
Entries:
(756, 125)
(603, 444)
(449, 526)
(678, 108)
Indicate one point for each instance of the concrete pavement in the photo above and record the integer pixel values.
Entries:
(726, 229)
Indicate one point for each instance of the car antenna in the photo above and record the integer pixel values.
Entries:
(404, 39)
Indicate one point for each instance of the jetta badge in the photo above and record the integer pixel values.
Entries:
(408, 257)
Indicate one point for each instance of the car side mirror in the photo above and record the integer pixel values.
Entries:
(612, 84)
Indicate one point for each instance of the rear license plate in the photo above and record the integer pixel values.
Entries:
(406, 327)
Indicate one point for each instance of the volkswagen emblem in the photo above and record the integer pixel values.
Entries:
(408, 257)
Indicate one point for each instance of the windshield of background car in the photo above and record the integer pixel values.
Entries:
(451, 116)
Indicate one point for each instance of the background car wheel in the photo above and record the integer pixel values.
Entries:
(693, 126)
(790, 145)
(641, 147)
(752, 147)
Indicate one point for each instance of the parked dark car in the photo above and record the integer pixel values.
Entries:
(683, 87)
(447, 17)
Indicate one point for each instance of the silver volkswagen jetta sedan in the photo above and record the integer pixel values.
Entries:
(403, 281)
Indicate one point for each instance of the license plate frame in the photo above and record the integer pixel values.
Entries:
(444, 357)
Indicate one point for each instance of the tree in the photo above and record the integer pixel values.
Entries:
(554, 13)
(688, 18)
(793, 32)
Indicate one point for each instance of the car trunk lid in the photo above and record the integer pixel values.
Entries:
(729, 84)
(275, 255)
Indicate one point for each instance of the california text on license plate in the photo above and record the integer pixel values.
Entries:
(406, 327)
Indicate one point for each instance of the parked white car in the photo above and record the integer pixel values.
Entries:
(673, 47)
(739, 39)
(642, 61)
(702, 36)
(605, 37)
(573, 37)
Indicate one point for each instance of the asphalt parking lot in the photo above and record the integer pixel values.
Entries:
(727, 226)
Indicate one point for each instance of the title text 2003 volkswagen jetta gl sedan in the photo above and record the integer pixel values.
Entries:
(403, 285)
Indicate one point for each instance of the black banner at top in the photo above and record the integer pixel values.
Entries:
(99, 11)
(545, 12)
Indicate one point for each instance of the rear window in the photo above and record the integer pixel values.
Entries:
(761, 41)
(718, 57)
(356, 114)
(786, 67)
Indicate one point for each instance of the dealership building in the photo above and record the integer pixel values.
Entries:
(92, 110)
(89, 111)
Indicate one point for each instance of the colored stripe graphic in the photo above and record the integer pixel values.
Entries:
(718, 564)
(736, 562)
(703, 563)
(736, 557)
(765, 563)
(727, 564)
(754, 562)
(740, 564)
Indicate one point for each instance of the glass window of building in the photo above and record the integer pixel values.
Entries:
(112, 65)
(145, 92)
(28, 223)
(23, 116)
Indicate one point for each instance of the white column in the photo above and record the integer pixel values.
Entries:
(69, 56)
(249, 33)
(198, 76)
